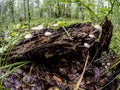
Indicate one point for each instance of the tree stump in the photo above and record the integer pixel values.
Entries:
(85, 38)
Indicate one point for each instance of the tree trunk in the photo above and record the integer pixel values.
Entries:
(12, 11)
(29, 15)
(24, 3)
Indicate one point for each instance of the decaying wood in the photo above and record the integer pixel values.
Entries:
(59, 46)
(104, 42)
(106, 34)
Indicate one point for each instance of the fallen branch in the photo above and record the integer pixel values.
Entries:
(81, 76)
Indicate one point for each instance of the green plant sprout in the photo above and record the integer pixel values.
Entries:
(63, 24)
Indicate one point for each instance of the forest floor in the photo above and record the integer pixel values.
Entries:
(62, 77)
(65, 75)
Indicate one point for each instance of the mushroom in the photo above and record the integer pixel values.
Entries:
(47, 33)
(86, 45)
(98, 27)
(28, 36)
(91, 35)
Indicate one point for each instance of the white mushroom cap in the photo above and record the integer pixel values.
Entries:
(91, 35)
(106, 67)
(35, 28)
(48, 34)
(38, 28)
(98, 27)
(86, 45)
(55, 25)
(108, 64)
(28, 36)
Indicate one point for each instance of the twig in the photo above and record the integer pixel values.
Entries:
(67, 33)
(112, 5)
(81, 76)
(89, 9)
(109, 82)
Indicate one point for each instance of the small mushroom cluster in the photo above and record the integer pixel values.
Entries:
(93, 36)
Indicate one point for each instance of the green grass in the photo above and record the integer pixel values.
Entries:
(15, 66)
(115, 45)
(115, 42)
